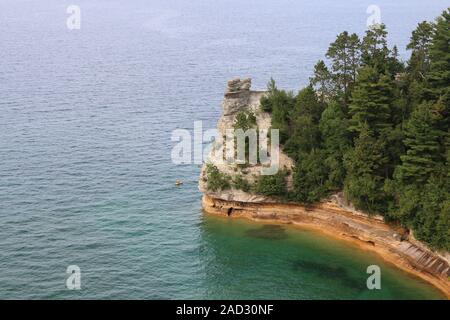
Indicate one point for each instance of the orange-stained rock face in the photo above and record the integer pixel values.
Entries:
(394, 244)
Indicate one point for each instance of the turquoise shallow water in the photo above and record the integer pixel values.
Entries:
(85, 137)
(296, 264)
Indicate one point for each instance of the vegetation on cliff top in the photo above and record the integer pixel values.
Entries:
(375, 127)
(216, 180)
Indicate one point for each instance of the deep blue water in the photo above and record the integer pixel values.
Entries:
(85, 124)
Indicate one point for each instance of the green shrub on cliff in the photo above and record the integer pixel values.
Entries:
(241, 184)
(216, 180)
(272, 185)
(244, 120)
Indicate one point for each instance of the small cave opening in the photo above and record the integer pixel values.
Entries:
(229, 211)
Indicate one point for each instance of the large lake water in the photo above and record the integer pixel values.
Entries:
(86, 176)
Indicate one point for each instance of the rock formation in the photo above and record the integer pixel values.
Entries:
(237, 85)
(333, 216)
(238, 97)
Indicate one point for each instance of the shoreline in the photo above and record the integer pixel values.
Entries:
(364, 232)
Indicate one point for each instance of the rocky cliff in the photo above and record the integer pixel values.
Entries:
(333, 216)
(239, 97)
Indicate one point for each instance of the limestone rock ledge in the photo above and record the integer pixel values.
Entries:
(334, 217)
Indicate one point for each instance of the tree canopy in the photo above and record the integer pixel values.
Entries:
(375, 127)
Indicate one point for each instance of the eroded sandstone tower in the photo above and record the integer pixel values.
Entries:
(238, 97)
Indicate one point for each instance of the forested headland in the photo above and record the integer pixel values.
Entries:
(374, 127)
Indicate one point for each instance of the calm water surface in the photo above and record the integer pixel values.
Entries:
(85, 173)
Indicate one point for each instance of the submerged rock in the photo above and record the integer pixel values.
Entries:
(269, 232)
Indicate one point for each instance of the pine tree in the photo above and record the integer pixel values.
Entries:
(322, 81)
(365, 164)
(439, 75)
(431, 223)
(419, 63)
(344, 54)
(267, 101)
(371, 101)
(304, 138)
(308, 104)
(280, 115)
(310, 176)
(423, 150)
(394, 67)
(280, 103)
(442, 235)
(374, 48)
(304, 119)
(333, 128)
(363, 185)
(272, 86)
